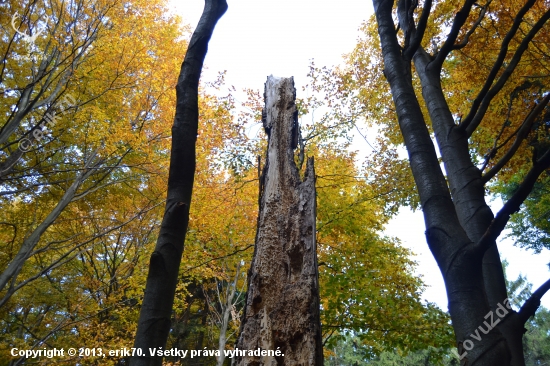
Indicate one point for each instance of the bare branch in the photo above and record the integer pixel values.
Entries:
(221, 257)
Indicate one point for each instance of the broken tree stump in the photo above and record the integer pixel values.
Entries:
(282, 305)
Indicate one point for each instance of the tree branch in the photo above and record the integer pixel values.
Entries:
(498, 63)
(419, 32)
(513, 204)
(522, 133)
(437, 205)
(487, 93)
(221, 257)
(474, 27)
(15, 265)
(460, 19)
(533, 302)
(156, 310)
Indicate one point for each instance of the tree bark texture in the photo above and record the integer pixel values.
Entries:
(461, 229)
(452, 247)
(156, 310)
(282, 305)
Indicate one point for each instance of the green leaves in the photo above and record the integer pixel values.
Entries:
(367, 281)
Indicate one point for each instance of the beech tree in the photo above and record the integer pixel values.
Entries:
(419, 48)
(79, 208)
(156, 311)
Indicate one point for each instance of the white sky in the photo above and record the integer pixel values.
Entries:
(256, 38)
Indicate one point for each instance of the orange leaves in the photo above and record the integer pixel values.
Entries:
(82, 282)
(468, 69)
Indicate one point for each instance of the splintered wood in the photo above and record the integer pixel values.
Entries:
(282, 306)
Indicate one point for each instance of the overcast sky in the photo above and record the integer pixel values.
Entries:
(256, 38)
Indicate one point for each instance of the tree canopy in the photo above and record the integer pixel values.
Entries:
(87, 102)
(465, 77)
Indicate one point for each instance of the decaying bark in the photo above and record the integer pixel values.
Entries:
(282, 305)
(156, 310)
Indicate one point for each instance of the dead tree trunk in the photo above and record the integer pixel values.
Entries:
(282, 305)
(156, 310)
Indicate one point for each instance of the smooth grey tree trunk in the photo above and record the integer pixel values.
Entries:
(461, 229)
(156, 310)
(282, 305)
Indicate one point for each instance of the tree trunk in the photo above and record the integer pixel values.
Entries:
(282, 305)
(156, 310)
(461, 230)
(226, 305)
(459, 261)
